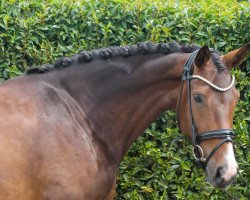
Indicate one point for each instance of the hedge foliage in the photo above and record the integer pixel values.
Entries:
(37, 32)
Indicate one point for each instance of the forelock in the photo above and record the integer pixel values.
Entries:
(217, 61)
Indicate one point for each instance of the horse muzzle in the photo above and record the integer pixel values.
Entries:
(222, 169)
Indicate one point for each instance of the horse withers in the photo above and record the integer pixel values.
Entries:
(65, 128)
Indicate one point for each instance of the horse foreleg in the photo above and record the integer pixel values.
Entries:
(112, 192)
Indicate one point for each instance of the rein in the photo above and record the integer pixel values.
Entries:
(225, 134)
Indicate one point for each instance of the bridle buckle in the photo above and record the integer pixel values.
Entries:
(198, 153)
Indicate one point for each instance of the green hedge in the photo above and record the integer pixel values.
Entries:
(37, 32)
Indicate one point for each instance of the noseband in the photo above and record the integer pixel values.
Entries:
(225, 134)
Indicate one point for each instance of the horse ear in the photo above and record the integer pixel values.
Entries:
(234, 58)
(202, 56)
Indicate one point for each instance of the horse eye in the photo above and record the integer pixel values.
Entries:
(198, 98)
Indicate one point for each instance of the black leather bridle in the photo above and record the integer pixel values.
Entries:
(225, 134)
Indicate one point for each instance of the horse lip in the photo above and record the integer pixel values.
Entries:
(223, 184)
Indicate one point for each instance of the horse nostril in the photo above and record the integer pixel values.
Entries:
(219, 176)
(219, 172)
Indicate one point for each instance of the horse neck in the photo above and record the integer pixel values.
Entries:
(121, 97)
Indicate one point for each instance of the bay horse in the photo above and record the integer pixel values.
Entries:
(66, 127)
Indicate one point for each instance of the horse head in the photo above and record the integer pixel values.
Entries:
(206, 107)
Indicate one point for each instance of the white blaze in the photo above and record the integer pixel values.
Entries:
(232, 164)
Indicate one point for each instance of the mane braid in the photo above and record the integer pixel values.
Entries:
(106, 53)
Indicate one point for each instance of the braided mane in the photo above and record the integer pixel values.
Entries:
(124, 51)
